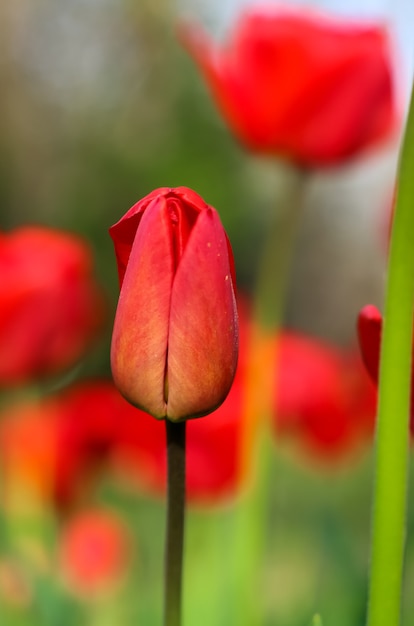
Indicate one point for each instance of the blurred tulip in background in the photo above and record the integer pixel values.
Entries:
(298, 84)
(94, 552)
(323, 399)
(51, 306)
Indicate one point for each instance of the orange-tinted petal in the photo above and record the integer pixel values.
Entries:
(140, 335)
(202, 342)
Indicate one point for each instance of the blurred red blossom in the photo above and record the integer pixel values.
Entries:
(323, 398)
(295, 83)
(94, 551)
(91, 416)
(50, 304)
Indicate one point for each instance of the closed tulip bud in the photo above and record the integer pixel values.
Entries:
(175, 338)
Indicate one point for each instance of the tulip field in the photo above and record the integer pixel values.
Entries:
(206, 316)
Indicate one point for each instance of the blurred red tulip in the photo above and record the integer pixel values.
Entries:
(91, 416)
(94, 552)
(323, 398)
(175, 339)
(292, 83)
(50, 305)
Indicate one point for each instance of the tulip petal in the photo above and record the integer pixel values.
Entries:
(140, 336)
(202, 343)
(369, 335)
(123, 232)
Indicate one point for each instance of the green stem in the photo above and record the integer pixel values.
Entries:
(250, 529)
(175, 522)
(392, 436)
(276, 258)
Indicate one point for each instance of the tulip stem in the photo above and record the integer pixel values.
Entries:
(392, 436)
(255, 448)
(175, 522)
(278, 251)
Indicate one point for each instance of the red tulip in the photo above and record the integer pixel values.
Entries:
(94, 550)
(174, 343)
(50, 305)
(323, 397)
(300, 85)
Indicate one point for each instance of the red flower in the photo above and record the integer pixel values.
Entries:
(323, 397)
(300, 85)
(94, 551)
(50, 306)
(174, 343)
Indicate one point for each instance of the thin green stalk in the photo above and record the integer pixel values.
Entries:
(392, 436)
(175, 522)
(276, 258)
(251, 515)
